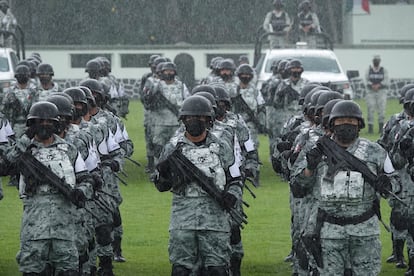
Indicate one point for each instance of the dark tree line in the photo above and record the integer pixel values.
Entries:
(139, 22)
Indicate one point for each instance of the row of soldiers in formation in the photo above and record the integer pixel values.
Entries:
(65, 150)
(335, 210)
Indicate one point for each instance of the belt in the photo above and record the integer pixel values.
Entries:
(348, 220)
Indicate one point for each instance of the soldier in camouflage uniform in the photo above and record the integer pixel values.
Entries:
(18, 99)
(47, 231)
(226, 69)
(6, 134)
(47, 86)
(346, 224)
(148, 83)
(192, 238)
(214, 73)
(165, 99)
(249, 103)
(119, 101)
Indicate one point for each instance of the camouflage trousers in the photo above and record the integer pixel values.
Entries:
(187, 247)
(35, 255)
(376, 102)
(363, 253)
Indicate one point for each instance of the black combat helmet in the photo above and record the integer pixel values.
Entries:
(205, 88)
(76, 93)
(227, 64)
(223, 95)
(349, 109)
(196, 106)
(45, 69)
(22, 70)
(209, 97)
(93, 85)
(42, 110)
(93, 67)
(326, 112)
(324, 98)
(63, 104)
(245, 69)
(404, 90)
(306, 89)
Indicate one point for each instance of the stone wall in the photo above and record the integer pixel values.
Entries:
(131, 86)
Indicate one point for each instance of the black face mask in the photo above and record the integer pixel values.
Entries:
(226, 77)
(168, 77)
(44, 132)
(221, 111)
(195, 127)
(296, 74)
(346, 133)
(376, 63)
(22, 79)
(45, 80)
(245, 80)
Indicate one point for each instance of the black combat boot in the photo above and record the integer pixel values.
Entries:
(410, 271)
(370, 129)
(399, 255)
(116, 245)
(235, 264)
(179, 270)
(391, 258)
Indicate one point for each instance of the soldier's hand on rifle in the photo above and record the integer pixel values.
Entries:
(383, 185)
(78, 198)
(313, 157)
(97, 181)
(229, 200)
(284, 145)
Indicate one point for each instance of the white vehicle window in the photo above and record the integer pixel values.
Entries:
(4, 64)
(313, 64)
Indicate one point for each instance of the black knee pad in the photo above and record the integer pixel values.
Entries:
(179, 270)
(103, 234)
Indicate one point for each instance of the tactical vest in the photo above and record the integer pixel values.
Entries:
(305, 19)
(207, 160)
(57, 160)
(278, 23)
(376, 77)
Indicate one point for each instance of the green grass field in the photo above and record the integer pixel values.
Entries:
(145, 214)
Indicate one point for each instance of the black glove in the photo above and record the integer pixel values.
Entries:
(97, 181)
(78, 198)
(313, 157)
(229, 200)
(284, 145)
(114, 165)
(383, 185)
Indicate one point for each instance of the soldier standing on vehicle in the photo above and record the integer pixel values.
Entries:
(308, 23)
(48, 229)
(277, 21)
(377, 89)
(8, 24)
(199, 226)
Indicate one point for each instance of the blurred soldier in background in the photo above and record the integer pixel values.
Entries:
(47, 86)
(8, 24)
(377, 88)
(277, 21)
(308, 23)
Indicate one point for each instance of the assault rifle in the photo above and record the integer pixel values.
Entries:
(338, 158)
(190, 171)
(159, 97)
(243, 107)
(30, 167)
